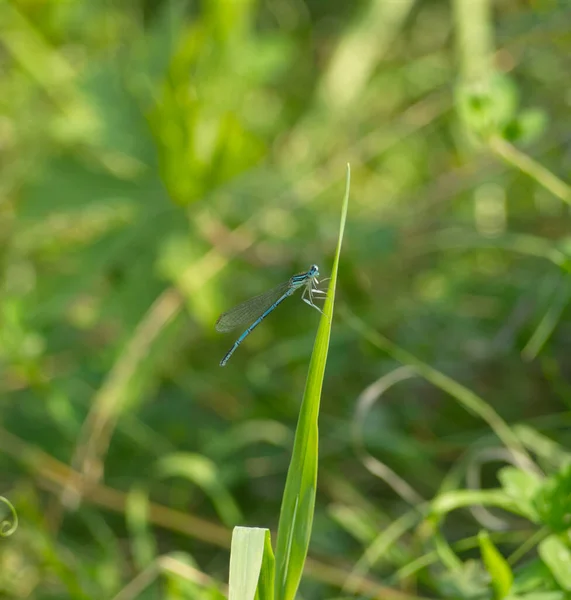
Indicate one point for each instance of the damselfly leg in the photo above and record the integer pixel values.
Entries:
(256, 309)
(307, 290)
(315, 289)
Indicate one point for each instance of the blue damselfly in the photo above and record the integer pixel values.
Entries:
(256, 309)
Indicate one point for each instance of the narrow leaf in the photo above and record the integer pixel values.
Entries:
(296, 516)
(203, 473)
(266, 580)
(246, 557)
(496, 565)
(521, 486)
(557, 556)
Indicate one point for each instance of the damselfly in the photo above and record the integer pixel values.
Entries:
(258, 308)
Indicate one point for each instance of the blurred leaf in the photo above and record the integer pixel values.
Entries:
(177, 255)
(557, 556)
(522, 487)
(496, 565)
(488, 106)
(267, 57)
(448, 501)
(250, 433)
(360, 50)
(542, 596)
(532, 577)
(553, 453)
(356, 522)
(469, 582)
(156, 48)
(550, 320)
(70, 185)
(137, 517)
(202, 472)
(545, 596)
(552, 501)
(382, 545)
(123, 129)
(526, 127)
(465, 397)
(184, 579)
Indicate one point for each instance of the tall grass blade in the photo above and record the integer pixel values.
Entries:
(296, 516)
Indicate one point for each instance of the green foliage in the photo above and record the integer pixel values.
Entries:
(556, 554)
(202, 472)
(553, 503)
(162, 161)
(490, 107)
(496, 565)
(522, 488)
(8, 525)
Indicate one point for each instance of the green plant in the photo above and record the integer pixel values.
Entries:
(252, 557)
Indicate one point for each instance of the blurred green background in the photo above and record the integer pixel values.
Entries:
(161, 161)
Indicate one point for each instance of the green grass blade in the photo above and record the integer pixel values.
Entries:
(266, 580)
(497, 566)
(249, 563)
(296, 515)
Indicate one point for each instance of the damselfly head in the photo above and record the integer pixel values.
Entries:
(313, 271)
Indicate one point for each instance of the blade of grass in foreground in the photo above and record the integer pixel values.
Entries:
(296, 515)
(251, 564)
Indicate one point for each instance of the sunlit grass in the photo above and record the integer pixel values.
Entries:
(147, 149)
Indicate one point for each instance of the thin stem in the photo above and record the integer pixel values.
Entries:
(466, 397)
(530, 167)
(474, 38)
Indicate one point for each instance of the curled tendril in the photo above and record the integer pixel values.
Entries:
(7, 526)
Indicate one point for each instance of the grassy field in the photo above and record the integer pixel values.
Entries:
(163, 161)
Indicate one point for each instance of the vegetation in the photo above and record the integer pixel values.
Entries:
(163, 161)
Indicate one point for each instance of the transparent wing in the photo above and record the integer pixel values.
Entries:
(251, 309)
